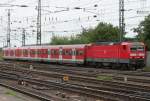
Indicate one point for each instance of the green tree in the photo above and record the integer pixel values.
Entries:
(59, 40)
(102, 32)
(143, 31)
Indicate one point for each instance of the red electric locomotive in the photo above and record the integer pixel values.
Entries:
(108, 54)
(129, 55)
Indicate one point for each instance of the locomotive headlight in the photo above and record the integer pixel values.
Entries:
(132, 54)
(141, 54)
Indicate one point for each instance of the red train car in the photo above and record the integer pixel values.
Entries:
(125, 54)
(108, 54)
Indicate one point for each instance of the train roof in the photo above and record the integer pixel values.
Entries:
(49, 46)
(119, 43)
(76, 45)
(132, 43)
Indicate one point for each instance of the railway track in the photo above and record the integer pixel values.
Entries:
(130, 76)
(131, 91)
(89, 80)
(71, 68)
(87, 90)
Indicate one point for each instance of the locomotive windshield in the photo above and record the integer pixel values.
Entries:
(137, 48)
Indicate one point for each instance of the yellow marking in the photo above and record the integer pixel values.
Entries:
(66, 78)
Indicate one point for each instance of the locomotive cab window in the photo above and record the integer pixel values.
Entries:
(133, 48)
(137, 48)
(140, 48)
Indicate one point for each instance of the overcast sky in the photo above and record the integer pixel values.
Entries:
(60, 17)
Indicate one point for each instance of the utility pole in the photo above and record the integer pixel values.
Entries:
(39, 23)
(23, 37)
(8, 29)
(121, 20)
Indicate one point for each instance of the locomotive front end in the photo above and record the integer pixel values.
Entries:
(137, 55)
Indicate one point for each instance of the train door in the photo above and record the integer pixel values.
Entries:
(60, 54)
(74, 55)
(49, 54)
(28, 52)
(55, 54)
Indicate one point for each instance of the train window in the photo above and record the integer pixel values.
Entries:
(39, 52)
(11, 52)
(79, 52)
(45, 52)
(140, 48)
(133, 48)
(137, 48)
(32, 52)
(63, 52)
(18, 52)
(70, 52)
(25, 52)
(6, 52)
(56, 52)
(15, 52)
(52, 52)
(66, 52)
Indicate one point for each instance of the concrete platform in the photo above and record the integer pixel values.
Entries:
(9, 95)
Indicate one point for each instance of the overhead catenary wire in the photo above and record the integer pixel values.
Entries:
(108, 15)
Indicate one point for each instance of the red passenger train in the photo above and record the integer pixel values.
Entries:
(101, 54)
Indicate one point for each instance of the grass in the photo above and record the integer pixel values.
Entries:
(1, 56)
(146, 69)
(11, 93)
(104, 77)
